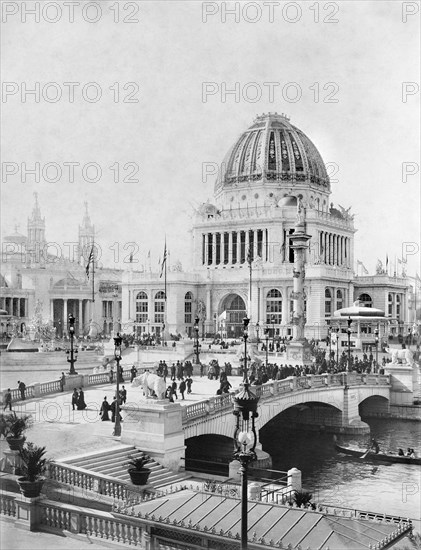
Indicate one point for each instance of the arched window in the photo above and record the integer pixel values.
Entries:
(159, 307)
(366, 300)
(188, 305)
(339, 299)
(390, 304)
(328, 302)
(274, 307)
(141, 307)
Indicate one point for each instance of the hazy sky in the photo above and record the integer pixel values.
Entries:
(340, 82)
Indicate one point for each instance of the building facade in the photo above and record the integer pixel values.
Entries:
(241, 256)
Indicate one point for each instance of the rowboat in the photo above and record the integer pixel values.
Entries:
(371, 455)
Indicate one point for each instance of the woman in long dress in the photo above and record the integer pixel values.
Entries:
(103, 411)
(81, 405)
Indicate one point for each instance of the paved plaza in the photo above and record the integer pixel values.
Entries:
(67, 432)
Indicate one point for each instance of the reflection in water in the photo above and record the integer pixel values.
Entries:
(347, 481)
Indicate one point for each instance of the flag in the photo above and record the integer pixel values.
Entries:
(365, 270)
(387, 261)
(149, 255)
(90, 261)
(417, 278)
(399, 261)
(164, 259)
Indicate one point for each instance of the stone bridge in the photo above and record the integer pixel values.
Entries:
(328, 401)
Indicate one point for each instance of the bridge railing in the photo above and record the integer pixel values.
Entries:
(223, 402)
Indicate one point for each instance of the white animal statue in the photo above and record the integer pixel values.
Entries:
(404, 356)
(151, 384)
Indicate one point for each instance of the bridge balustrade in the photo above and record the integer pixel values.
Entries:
(282, 387)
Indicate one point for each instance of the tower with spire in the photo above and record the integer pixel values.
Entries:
(36, 243)
(86, 237)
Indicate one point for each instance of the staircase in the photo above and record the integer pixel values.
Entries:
(112, 462)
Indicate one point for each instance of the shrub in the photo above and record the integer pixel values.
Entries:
(302, 497)
(14, 426)
(138, 462)
(33, 462)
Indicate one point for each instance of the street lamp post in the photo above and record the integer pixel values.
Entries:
(72, 359)
(267, 346)
(349, 331)
(196, 339)
(329, 332)
(245, 437)
(117, 355)
(257, 330)
(338, 331)
(376, 339)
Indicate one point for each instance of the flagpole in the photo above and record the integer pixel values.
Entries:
(93, 279)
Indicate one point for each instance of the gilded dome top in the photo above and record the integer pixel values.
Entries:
(272, 150)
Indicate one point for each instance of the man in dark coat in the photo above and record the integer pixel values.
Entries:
(22, 388)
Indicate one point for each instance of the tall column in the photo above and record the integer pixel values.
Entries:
(213, 248)
(238, 247)
(64, 315)
(230, 248)
(285, 306)
(80, 318)
(334, 255)
(247, 244)
(52, 310)
(205, 253)
(264, 244)
(299, 243)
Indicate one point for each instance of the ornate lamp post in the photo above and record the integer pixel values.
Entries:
(267, 345)
(196, 339)
(349, 332)
(338, 331)
(117, 355)
(376, 339)
(72, 359)
(257, 331)
(163, 330)
(329, 333)
(245, 437)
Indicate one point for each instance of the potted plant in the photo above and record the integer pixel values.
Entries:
(13, 428)
(33, 466)
(137, 471)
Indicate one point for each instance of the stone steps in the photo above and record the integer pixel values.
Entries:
(112, 463)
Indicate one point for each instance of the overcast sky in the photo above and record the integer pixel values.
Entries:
(342, 84)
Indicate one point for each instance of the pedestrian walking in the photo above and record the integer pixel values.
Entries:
(189, 382)
(182, 388)
(113, 408)
(74, 399)
(62, 381)
(103, 411)
(133, 373)
(123, 395)
(81, 405)
(8, 400)
(22, 388)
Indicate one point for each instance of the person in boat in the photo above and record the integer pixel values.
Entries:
(374, 446)
(408, 452)
(400, 452)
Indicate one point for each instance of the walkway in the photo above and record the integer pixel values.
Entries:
(66, 432)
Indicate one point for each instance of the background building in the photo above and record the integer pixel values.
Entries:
(242, 261)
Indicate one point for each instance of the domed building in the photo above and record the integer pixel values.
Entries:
(242, 257)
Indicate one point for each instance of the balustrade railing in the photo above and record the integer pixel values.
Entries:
(89, 481)
(102, 525)
(281, 387)
(7, 504)
(49, 387)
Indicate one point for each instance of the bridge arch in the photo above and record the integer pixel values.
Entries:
(374, 405)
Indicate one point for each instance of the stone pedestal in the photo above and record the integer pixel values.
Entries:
(402, 379)
(299, 353)
(11, 462)
(156, 428)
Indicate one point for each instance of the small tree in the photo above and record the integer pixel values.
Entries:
(33, 462)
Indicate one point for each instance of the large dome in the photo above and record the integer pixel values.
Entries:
(273, 151)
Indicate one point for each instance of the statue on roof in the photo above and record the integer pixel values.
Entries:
(346, 212)
(301, 211)
(379, 268)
